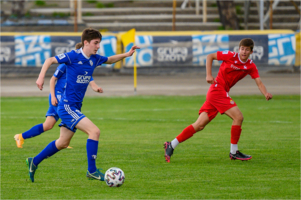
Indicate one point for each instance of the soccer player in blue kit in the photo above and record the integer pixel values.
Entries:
(57, 87)
(80, 66)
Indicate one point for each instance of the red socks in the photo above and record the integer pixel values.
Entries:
(186, 134)
(235, 134)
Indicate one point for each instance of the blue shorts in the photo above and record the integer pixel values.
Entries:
(70, 114)
(52, 110)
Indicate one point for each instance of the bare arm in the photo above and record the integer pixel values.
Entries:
(52, 90)
(209, 60)
(116, 58)
(263, 89)
(45, 67)
(95, 87)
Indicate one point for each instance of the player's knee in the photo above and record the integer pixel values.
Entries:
(95, 133)
(62, 145)
(198, 127)
(47, 127)
(239, 118)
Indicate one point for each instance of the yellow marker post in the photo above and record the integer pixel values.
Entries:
(135, 73)
(127, 39)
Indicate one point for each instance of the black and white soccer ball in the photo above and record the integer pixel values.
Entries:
(114, 177)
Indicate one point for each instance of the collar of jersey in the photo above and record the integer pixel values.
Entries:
(81, 50)
(241, 60)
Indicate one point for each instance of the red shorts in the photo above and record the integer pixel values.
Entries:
(217, 100)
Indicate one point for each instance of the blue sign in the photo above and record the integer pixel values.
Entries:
(32, 50)
(144, 57)
(107, 48)
(282, 49)
(204, 45)
(260, 50)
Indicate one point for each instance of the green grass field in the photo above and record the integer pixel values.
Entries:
(133, 130)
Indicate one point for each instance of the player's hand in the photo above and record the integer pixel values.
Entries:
(40, 82)
(99, 90)
(54, 101)
(210, 79)
(132, 50)
(268, 96)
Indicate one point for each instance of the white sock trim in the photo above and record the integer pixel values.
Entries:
(174, 143)
(233, 148)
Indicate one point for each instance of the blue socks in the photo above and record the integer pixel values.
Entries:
(34, 131)
(92, 147)
(49, 150)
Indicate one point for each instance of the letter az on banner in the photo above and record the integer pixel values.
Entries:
(128, 40)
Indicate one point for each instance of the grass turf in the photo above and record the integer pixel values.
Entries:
(133, 130)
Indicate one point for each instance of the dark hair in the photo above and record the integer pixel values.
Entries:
(247, 42)
(90, 34)
(78, 45)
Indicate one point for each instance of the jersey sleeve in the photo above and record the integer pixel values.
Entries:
(101, 59)
(254, 72)
(92, 79)
(60, 70)
(225, 55)
(65, 57)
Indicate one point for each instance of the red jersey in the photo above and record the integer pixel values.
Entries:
(233, 69)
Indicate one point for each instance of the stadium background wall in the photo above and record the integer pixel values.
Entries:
(273, 48)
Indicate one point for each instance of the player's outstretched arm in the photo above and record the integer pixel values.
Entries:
(95, 87)
(209, 60)
(45, 67)
(263, 89)
(52, 91)
(116, 58)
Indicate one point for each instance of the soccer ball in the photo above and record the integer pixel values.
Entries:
(114, 177)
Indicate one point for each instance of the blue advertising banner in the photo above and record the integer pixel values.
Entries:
(203, 45)
(144, 56)
(107, 48)
(260, 53)
(172, 50)
(282, 49)
(7, 50)
(32, 50)
(63, 44)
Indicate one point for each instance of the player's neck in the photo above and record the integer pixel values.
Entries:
(86, 52)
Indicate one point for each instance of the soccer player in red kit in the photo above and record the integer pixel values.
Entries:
(235, 66)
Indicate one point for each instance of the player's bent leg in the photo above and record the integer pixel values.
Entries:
(236, 115)
(87, 126)
(49, 123)
(201, 122)
(35, 131)
(188, 132)
(64, 139)
(93, 132)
